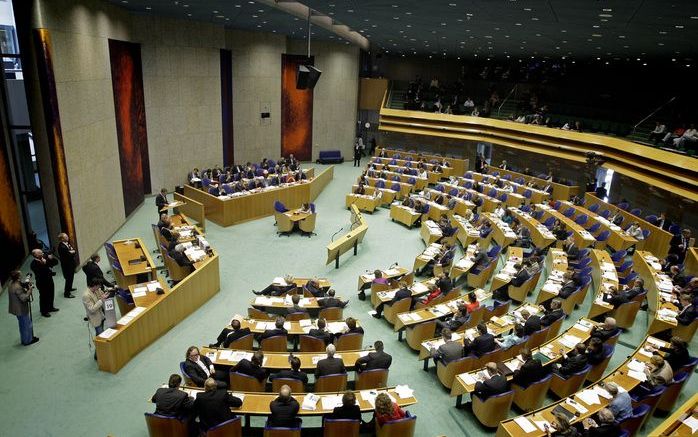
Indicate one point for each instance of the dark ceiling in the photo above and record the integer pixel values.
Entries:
(517, 28)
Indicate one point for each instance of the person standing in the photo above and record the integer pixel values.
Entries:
(20, 299)
(69, 262)
(161, 201)
(41, 266)
(93, 299)
(357, 153)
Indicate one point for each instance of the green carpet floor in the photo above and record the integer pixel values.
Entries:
(53, 388)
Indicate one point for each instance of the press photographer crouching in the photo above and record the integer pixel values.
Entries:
(20, 297)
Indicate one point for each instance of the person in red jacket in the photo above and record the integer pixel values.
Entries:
(387, 410)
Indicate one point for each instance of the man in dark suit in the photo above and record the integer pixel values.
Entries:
(68, 257)
(374, 360)
(553, 314)
(572, 362)
(482, 344)
(161, 200)
(606, 330)
(402, 293)
(479, 259)
(688, 312)
(531, 322)
(171, 401)
(313, 287)
(449, 351)
(252, 367)
(331, 301)
(459, 318)
(351, 328)
(284, 409)
(294, 373)
(679, 244)
(521, 276)
(615, 297)
(199, 367)
(180, 257)
(296, 308)
(637, 289)
(321, 332)
(93, 270)
(278, 329)
(329, 365)
(496, 384)
(444, 283)
(227, 336)
(277, 289)
(213, 405)
(569, 286)
(530, 371)
(41, 266)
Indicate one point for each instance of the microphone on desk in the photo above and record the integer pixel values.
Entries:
(333, 235)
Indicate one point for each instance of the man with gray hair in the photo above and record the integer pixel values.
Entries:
(180, 257)
(284, 409)
(41, 266)
(621, 405)
(606, 330)
(330, 365)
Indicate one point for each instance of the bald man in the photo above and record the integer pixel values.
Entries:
(494, 385)
(606, 330)
(284, 409)
(41, 266)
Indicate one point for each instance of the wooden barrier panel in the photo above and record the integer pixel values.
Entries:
(160, 316)
(192, 209)
(320, 181)
(674, 425)
(657, 241)
(691, 262)
(349, 240)
(459, 165)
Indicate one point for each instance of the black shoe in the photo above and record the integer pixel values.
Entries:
(34, 340)
(212, 345)
(46, 314)
(68, 296)
(377, 316)
(73, 289)
(54, 310)
(258, 293)
(362, 296)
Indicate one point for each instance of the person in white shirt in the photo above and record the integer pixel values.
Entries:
(635, 231)
(508, 188)
(499, 211)
(423, 173)
(469, 104)
(434, 82)
(689, 136)
(476, 112)
(658, 132)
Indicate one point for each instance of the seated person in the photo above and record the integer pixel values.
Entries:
(360, 189)
(552, 315)
(374, 360)
(604, 425)
(329, 365)
(571, 362)
(494, 385)
(531, 322)
(479, 258)
(606, 330)
(472, 303)
(402, 293)
(444, 282)
(180, 257)
(321, 332)
(594, 351)
(278, 330)
(531, 370)
(214, 404)
(199, 367)
(171, 401)
(676, 354)
(615, 297)
(386, 410)
(348, 410)
(331, 301)
(228, 336)
(284, 409)
(459, 318)
(433, 293)
(294, 373)
(621, 404)
(482, 344)
(522, 275)
(351, 328)
(313, 287)
(515, 337)
(296, 308)
(279, 287)
(451, 350)
(637, 289)
(687, 309)
(252, 367)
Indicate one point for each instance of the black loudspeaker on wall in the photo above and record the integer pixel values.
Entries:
(307, 77)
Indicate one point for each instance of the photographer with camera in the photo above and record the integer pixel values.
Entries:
(20, 297)
(41, 266)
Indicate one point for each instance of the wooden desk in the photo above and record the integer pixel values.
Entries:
(404, 191)
(556, 265)
(458, 165)
(467, 234)
(537, 196)
(582, 237)
(489, 204)
(275, 361)
(281, 304)
(129, 250)
(436, 210)
(162, 312)
(674, 425)
(417, 288)
(343, 243)
(387, 196)
(513, 199)
(257, 404)
(192, 208)
(691, 262)
(402, 214)
(619, 376)
(560, 191)
(429, 254)
(617, 240)
(507, 272)
(579, 332)
(428, 313)
(540, 235)
(402, 172)
(462, 205)
(501, 232)
(657, 241)
(433, 175)
(227, 211)
(299, 327)
(393, 273)
(658, 288)
(364, 202)
(464, 264)
(604, 276)
(430, 232)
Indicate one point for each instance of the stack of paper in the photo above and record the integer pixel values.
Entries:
(329, 402)
(637, 366)
(225, 354)
(153, 286)
(238, 356)
(108, 333)
(525, 424)
(310, 401)
(419, 287)
(336, 327)
(139, 291)
(577, 406)
(305, 322)
(692, 423)
(404, 391)
(589, 397)
(640, 376)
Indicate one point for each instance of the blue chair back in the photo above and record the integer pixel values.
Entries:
(582, 219)
(603, 236)
(227, 188)
(593, 228)
(492, 192)
(503, 197)
(279, 207)
(439, 188)
(605, 214)
(411, 181)
(468, 175)
(646, 233)
(312, 208)
(380, 183)
(594, 207)
(395, 187)
(527, 194)
(624, 206)
(636, 211)
(628, 279)
(617, 256)
(557, 204)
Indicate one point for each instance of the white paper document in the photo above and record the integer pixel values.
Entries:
(310, 401)
(589, 397)
(525, 424)
(692, 423)
(404, 391)
(108, 333)
(329, 402)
